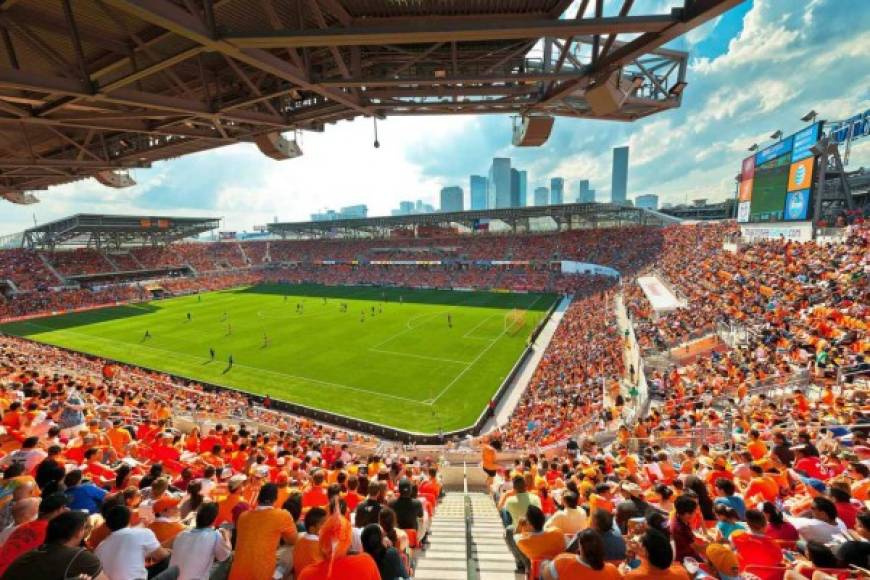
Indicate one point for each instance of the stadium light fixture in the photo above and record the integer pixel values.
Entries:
(777, 135)
(753, 147)
(677, 89)
(810, 117)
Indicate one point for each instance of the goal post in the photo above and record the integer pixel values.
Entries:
(514, 321)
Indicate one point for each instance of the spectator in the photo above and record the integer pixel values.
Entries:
(195, 551)
(83, 494)
(307, 548)
(258, 535)
(388, 559)
(126, 550)
(61, 556)
(28, 536)
(409, 511)
(584, 559)
(656, 559)
(335, 540)
(570, 519)
(534, 542)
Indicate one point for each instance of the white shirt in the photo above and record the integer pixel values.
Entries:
(194, 551)
(123, 553)
(568, 520)
(813, 530)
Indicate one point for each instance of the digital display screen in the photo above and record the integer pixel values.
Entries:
(776, 183)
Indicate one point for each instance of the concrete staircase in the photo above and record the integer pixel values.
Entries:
(446, 557)
(491, 555)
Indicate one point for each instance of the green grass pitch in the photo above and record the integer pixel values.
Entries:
(402, 367)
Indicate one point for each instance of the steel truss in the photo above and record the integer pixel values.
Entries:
(101, 85)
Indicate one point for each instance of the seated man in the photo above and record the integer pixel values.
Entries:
(756, 549)
(535, 543)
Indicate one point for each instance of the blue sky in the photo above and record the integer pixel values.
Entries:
(756, 69)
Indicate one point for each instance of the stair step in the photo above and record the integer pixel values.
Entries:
(442, 564)
(442, 575)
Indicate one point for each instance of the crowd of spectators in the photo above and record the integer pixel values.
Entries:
(94, 457)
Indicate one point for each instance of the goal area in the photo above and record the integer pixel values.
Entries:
(514, 321)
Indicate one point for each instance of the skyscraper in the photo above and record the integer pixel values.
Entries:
(557, 191)
(499, 183)
(619, 177)
(451, 199)
(524, 184)
(584, 194)
(478, 192)
(515, 188)
(542, 196)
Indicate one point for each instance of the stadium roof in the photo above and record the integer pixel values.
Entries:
(115, 231)
(573, 214)
(93, 88)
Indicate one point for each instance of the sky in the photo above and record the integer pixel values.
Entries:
(753, 70)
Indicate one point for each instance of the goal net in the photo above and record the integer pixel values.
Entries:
(514, 321)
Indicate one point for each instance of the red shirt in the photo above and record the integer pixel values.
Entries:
(315, 497)
(755, 550)
(26, 537)
(848, 513)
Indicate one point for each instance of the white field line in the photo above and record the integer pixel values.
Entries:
(420, 356)
(257, 369)
(474, 361)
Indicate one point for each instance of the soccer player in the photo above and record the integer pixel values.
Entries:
(211, 352)
(265, 340)
(230, 361)
(199, 297)
(373, 310)
(229, 329)
(147, 335)
(285, 298)
(224, 318)
(449, 321)
(188, 316)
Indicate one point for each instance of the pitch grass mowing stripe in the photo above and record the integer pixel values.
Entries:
(379, 359)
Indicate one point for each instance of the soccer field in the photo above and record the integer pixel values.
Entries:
(403, 366)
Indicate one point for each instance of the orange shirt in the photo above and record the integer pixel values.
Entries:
(315, 497)
(306, 552)
(358, 567)
(489, 458)
(259, 532)
(568, 567)
(542, 545)
(757, 449)
(166, 531)
(646, 572)
(763, 486)
(119, 438)
(225, 508)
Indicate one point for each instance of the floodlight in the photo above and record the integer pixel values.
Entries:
(810, 117)
(753, 147)
(778, 135)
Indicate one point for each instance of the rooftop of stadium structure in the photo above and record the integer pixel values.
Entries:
(572, 215)
(98, 230)
(94, 88)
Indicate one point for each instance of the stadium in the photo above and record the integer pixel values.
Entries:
(502, 390)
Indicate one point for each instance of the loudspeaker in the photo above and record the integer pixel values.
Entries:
(274, 145)
(534, 131)
(605, 98)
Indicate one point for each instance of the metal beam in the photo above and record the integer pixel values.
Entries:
(163, 63)
(71, 163)
(169, 16)
(11, 78)
(432, 30)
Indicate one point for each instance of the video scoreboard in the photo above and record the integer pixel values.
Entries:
(776, 183)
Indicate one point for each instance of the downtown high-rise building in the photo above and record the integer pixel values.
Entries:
(451, 199)
(477, 187)
(647, 201)
(619, 176)
(542, 196)
(584, 194)
(557, 191)
(523, 187)
(499, 184)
